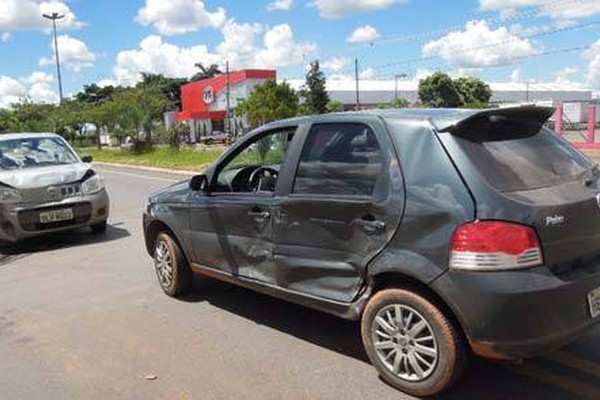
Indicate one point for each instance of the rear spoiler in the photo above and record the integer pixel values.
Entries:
(531, 117)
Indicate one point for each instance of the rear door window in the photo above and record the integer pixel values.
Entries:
(339, 159)
(526, 162)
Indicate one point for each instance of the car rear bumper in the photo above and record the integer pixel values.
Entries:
(21, 221)
(521, 314)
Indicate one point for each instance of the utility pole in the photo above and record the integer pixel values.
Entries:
(357, 84)
(228, 98)
(55, 17)
(396, 77)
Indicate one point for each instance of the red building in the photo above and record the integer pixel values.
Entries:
(204, 103)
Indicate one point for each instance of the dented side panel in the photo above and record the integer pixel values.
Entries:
(437, 201)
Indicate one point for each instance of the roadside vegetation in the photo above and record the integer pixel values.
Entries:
(185, 158)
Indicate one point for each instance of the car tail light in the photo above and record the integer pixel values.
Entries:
(494, 245)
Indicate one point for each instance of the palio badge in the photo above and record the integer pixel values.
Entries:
(555, 220)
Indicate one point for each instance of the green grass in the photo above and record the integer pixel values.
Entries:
(161, 157)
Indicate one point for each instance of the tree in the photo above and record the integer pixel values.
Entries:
(474, 92)
(94, 94)
(168, 87)
(439, 91)
(205, 73)
(395, 103)
(335, 106)
(315, 91)
(270, 101)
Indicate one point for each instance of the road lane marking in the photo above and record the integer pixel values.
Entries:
(575, 362)
(153, 178)
(562, 382)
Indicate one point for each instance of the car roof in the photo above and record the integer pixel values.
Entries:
(26, 135)
(441, 118)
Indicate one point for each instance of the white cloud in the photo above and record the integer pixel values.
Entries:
(281, 50)
(593, 73)
(11, 91)
(280, 5)
(74, 54)
(342, 8)
(6, 37)
(336, 64)
(516, 75)
(27, 15)
(175, 17)
(42, 93)
(562, 10)
(39, 77)
(156, 56)
(238, 44)
(368, 74)
(479, 46)
(363, 34)
(239, 47)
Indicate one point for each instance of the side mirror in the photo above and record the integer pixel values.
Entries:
(87, 159)
(199, 183)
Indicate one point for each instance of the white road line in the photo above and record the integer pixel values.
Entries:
(152, 178)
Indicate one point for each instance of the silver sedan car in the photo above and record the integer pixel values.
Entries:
(45, 187)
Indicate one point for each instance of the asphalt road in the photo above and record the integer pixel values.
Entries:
(82, 317)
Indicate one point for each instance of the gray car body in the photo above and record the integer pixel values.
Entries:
(37, 187)
(504, 315)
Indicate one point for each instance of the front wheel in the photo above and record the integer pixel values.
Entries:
(411, 343)
(173, 272)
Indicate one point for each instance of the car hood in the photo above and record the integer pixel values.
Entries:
(30, 178)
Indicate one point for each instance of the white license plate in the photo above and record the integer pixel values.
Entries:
(64, 214)
(594, 302)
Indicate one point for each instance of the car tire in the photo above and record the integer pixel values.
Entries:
(399, 350)
(99, 228)
(172, 269)
(208, 142)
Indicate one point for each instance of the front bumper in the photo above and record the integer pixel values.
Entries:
(21, 221)
(520, 314)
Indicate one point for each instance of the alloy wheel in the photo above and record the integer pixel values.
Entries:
(404, 342)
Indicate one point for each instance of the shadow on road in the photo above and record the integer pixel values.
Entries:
(55, 241)
(573, 372)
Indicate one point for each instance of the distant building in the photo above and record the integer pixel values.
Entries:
(204, 103)
(374, 92)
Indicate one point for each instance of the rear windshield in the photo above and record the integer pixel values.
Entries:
(526, 162)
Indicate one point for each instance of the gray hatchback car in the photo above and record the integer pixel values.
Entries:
(444, 232)
(45, 187)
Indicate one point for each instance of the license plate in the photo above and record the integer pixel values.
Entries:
(64, 214)
(594, 302)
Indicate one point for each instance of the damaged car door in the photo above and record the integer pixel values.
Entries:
(231, 226)
(344, 205)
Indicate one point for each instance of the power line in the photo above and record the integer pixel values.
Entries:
(487, 46)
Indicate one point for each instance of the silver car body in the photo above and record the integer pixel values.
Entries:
(46, 189)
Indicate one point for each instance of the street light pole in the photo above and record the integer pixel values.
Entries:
(55, 17)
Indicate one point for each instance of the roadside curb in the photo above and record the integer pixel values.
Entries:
(150, 169)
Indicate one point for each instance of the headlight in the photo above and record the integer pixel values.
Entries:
(10, 195)
(92, 185)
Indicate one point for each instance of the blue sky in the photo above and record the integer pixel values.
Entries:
(112, 41)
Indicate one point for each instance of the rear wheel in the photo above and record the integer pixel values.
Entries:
(173, 272)
(411, 343)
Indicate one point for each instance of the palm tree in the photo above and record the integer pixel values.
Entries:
(206, 73)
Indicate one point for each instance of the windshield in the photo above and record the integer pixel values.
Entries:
(34, 152)
(526, 163)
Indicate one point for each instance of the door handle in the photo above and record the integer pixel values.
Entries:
(259, 216)
(370, 225)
